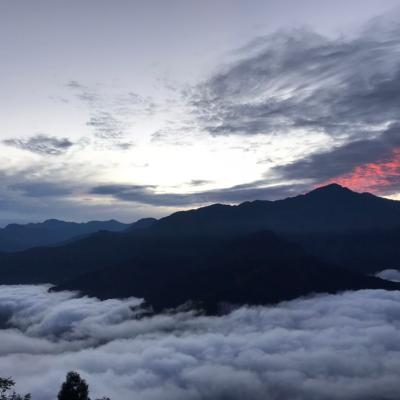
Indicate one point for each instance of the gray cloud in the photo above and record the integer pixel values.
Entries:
(302, 80)
(104, 122)
(42, 144)
(328, 347)
(199, 182)
(330, 164)
(40, 192)
(72, 84)
(110, 115)
(147, 194)
(42, 189)
(298, 81)
(106, 125)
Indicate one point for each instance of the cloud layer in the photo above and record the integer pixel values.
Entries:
(300, 79)
(235, 194)
(110, 116)
(371, 164)
(327, 347)
(42, 144)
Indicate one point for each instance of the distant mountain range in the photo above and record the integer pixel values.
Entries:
(258, 252)
(17, 237)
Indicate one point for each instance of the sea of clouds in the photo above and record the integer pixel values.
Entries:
(342, 346)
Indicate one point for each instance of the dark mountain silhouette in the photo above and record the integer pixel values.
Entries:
(258, 269)
(142, 224)
(16, 237)
(330, 208)
(367, 251)
(228, 253)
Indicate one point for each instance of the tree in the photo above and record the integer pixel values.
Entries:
(7, 392)
(74, 388)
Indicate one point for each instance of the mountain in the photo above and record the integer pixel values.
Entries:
(257, 252)
(253, 269)
(357, 231)
(367, 251)
(331, 208)
(15, 237)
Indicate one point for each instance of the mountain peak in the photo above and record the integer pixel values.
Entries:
(53, 221)
(332, 186)
(332, 189)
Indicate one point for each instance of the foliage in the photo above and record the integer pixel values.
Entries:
(74, 388)
(7, 392)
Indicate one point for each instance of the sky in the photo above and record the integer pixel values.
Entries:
(128, 109)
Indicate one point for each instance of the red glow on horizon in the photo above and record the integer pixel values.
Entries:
(376, 177)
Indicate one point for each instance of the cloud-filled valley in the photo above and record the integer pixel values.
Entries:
(341, 346)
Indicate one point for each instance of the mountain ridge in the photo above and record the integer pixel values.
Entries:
(217, 252)
(255, 269)
(51, 232)
(328, 208)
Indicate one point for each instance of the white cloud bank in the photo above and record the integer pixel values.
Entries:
(390, 275)
(327, 347)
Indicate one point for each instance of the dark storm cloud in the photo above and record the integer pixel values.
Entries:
(42, 144)
(235, 194)
(329, 347)
(302, 80)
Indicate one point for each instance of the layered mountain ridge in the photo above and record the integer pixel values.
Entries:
(19, 237)
(253, 253)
